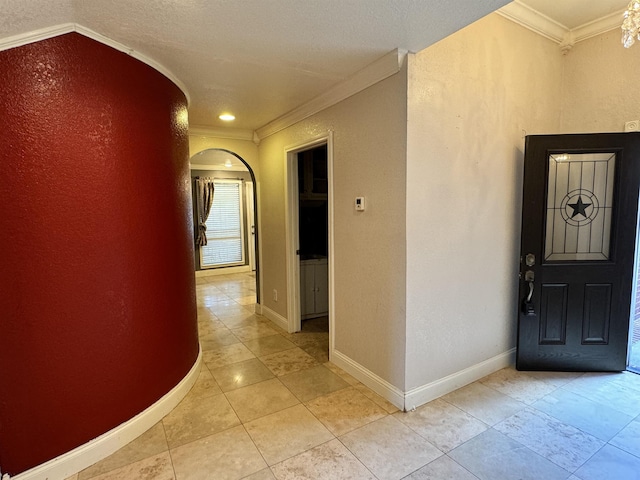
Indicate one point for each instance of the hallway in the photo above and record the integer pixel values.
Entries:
(267, 404)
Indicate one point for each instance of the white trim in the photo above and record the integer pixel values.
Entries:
(275, 317)
(196, 166)
(210, 272)
(95, 450)
(597, 27)
(228, 133)
(57, 30)
(370, 379)
(384, 67)
(331, 245)
(533, 20)
(424, 394)
(541, 24)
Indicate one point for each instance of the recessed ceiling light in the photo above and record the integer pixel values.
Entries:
(227, 117)
(227, 163)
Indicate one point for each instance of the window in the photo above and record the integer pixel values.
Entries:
(225, 232)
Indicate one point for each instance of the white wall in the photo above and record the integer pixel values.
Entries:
(600, 88)
(369, 257)
(471, 98)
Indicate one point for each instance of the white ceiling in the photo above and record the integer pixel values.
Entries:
(260, 59)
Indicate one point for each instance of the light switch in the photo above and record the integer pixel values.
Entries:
(359, 204)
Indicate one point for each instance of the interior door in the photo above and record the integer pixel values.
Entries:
(579, 217)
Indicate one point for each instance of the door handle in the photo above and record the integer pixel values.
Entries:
(530, 292)
(527, 305)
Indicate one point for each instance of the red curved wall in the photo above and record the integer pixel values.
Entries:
(97, 291)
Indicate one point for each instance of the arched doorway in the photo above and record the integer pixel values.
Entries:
(235, 249)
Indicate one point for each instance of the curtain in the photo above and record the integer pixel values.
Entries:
(204, 200)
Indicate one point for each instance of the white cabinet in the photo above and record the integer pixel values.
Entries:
(314, 286)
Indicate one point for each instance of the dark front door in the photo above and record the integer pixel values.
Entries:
(577, 251)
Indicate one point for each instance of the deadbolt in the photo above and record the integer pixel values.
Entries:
(530, 260)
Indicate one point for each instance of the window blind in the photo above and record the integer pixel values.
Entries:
(225, 244)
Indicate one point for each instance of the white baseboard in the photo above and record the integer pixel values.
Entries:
(208, 272)
(275, 317)
(95, 450)
(370, 379)
(424, 394)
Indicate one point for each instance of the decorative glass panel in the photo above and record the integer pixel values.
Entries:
(579, 206)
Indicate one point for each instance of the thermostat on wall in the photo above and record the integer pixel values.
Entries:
(359, 204)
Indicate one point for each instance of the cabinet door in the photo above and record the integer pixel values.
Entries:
(307, 286)
(322, 286)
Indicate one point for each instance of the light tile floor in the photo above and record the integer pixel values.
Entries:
(268, 405)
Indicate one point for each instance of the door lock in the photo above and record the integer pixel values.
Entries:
(530, 260)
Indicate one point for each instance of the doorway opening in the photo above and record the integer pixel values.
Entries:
(313, 218)
(310, 237)
(231, 226)
(633, 355)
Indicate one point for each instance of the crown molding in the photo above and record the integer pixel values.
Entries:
(533, 20)
(384, 67)
(599, 26)
(541, 24)
(57, 30)
(228, 133)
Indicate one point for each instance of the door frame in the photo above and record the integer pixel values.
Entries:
(292, 243)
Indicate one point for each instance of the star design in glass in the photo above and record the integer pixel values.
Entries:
(579, 208)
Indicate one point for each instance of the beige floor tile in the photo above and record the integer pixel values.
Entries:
(208, 327)
(226, 355)
(443, 468)
(150, 443)
(629, 438)
(222, 311)
(390, 449)
(268, 345)
(287, 433)
(555, 378)
(217, 338)
(72, 477)
(307, 338)
(442, 424)
(313, 382)
(246, 300)
(345, 410)
(196, 418)
(375, 398)
(157, 467)
(241, 374)
(319, 352)
(253, 331)
(341, 373)
(205, 315)
(227, 455)
(518, 385)
(261, 475)
(564, 445)
(244, 320)
(261, 399)
(494, 456)
(288, 361)
(205, 385)
(331, 460)
(484, 403)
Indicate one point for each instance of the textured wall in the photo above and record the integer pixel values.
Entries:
(600, 91)
(97, 292)
(369, 257)
(472, 97)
